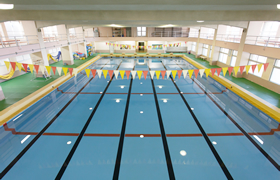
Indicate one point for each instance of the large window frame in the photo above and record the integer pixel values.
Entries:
(141, 31)
(223, 55)
(233, 58)
(210, 51)
(205, 49)
(256, 59)
(275, 73)
(193, 46)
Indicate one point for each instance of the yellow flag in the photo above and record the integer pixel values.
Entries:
(259, 67)
(158, 73)
(48, 69)
(7, 63)
(122, 73)
(247, 68)
(139, 74)
(236, 68)
(87, 72)
(207, 71)
(174, 72)
(105, 73)
(190, 73)
(65, 70)
(19, 66)
(224, 70)
(31, 67)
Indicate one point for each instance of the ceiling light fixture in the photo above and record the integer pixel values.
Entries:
(114, 25)
(6, 6)
(200, 21)
(168, 25)
(278, 6)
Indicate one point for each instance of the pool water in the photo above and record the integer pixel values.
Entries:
(96, 128)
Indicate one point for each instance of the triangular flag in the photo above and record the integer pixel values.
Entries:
(179, 73)
(163, 74)
(259, 67)
(185, 72)
(64, 69)
(70, 71)
(75, 71)
(36, 68)
(190, 73)
(31, 67)
(242, 69)
(53, 69)
(145, 73)
(254, 67)
(133, 73)
(201, 72)
(213, 71)
(196, 72)
(42, 69)
(7, 63)
(265, 66)
(127, 74)
(59, 70)
(87, 72)
(207, 71)
(174, 72)
(230, 69)
(219, 71)
(157, 74)
(19, 66)
(139, 73)
(168, 72)
(25, 66)
(116, 72)
(93, 72)
(122, 73)
(225, 70)
(99, 73)
(105, 73)
(13, 65)
(152, 73)
(247, 68)
(111, 72)
(236, 68)
(48, 69)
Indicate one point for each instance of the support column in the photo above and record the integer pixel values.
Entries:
(197, 44)
(66, 51)
(266, 74)
(213, 54)
(42, 46)
(82, 48)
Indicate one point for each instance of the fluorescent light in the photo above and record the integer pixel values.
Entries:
(69, 142)
(141, 112)
(6, 6)
(90, 108)
(159, 87)
(200, 21)
(168, 25)
(278, 6)
(183, 153)
(141, 136)
(122, 87)
(192, 109)
(257, 138)
(214, 142)
(24, 139)
(141, 94)
(114, 25)
(165, 100)
(17, 117)
(117, 101)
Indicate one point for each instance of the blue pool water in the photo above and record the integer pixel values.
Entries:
(96, 128)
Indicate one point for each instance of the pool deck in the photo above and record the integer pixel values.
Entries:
(22, 86)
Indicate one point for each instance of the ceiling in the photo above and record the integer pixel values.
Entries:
(150, 13)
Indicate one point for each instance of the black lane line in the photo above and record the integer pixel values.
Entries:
(5, 171)
(122, 135)
(275, 164)
(77, 142)
(163, 135)
(218, 158)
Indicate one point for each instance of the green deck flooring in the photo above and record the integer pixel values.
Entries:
(22, 86)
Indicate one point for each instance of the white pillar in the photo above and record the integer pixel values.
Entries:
(197, 44)
(67, 53)
(42, 46)
(82, 48)
(213, 47)
(2, 96)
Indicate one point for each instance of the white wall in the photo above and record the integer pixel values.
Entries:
(61, 29)
(101, 45)
(132, 43)
(105, 31)
(222, 29)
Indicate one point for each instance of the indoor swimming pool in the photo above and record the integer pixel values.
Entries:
(131, 129)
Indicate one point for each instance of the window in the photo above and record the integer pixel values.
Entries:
(210, 52)
(50, 31)
(223, 55)
(256, 59)
(233, 58)
(14, 28)
(25, 58)
(270, 29)
(54, 51)
(204, 49)
(276, 72)
(141, 31)
(193, 32)
(193, 46)
(2, 63)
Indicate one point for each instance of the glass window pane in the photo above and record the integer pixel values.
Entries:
(138, 28)
(233, 61)
(277, 63)
(139, 33)
(256, 73)
(254, 57)
(262, 59)
(143, 28)
(27, 56)
(2, 63)
(19, 58)
(275, 76)
(143, 33)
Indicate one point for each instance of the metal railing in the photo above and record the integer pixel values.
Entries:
(228, 38)
(263, 41)
(148, 34)
(206, 36)
(12, 41)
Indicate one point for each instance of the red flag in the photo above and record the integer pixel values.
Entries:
(163, 74)
(179, 73)
(106, 43)
(25, 66)
(265, 66)
(93, 71)
(213, 71)
(13, 65)
(70, 71)
(36, 68)
(254, 67)
(219, 71)
(127, 74)
(241, 69)
(53, 69)
(111, 73)
(230, 69)
(196, 72)
(145, 74)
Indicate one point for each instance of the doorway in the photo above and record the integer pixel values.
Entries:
(141, 48)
